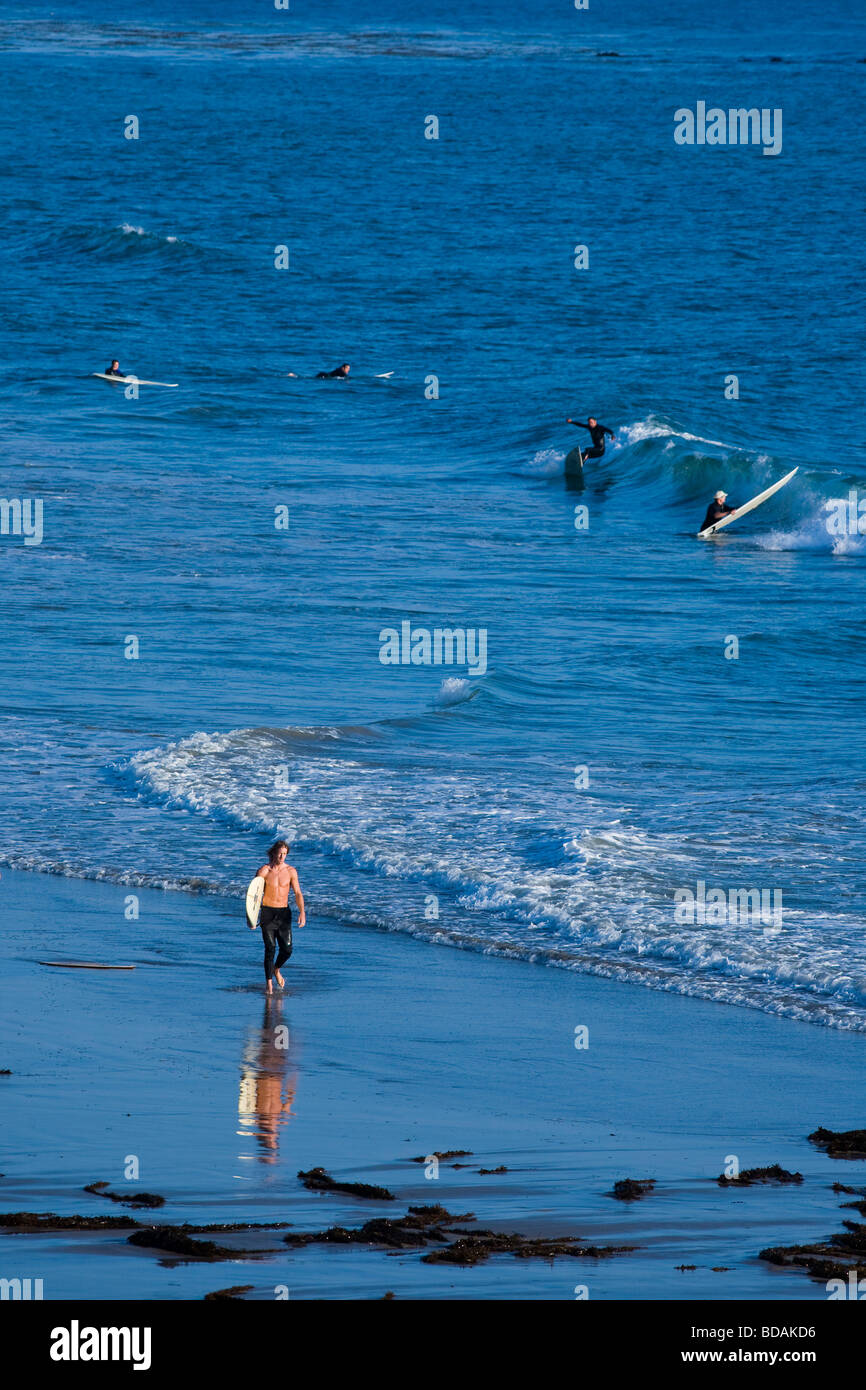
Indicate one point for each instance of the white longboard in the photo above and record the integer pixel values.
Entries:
(255, 893)
(133, 380)
(84, 965)
(746, 507)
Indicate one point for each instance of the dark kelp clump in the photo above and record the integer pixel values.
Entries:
(49, 1221)
(191, 1230)
(175, 1242)
(419, 1226)
(860, 1192)
(317, 1180)
(131, 1199)
(630, 1189)
(236, 1291)
(443, 1154)
(473, 1248)
(835, 1258)
(843, 1143)
(423, 1226)
(751, 1175)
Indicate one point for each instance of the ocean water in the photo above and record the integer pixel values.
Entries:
(441, 800)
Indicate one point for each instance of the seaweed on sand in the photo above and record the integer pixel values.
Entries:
(317, 1180)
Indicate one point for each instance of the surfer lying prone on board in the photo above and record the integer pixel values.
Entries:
(276, 916)
(716, 510)
(339, 373)
(596, 433)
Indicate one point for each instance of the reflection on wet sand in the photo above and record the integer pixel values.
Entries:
(268, 1081)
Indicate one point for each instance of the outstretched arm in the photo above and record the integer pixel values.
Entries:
(578, 423)
(299, 898)
(607, 431)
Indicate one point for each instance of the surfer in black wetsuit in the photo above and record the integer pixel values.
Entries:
(716, 510)
(596, 434)
(337, 372)
(114, 369)
(275, 920)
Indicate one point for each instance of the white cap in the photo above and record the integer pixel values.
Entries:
(721, 495)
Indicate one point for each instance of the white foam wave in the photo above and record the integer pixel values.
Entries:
(812, 534)
(546, 463)
(599, 896)
(130, 230)
(849, 545)
(652, 428)
(454, 690)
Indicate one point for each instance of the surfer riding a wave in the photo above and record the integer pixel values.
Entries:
(596, 434)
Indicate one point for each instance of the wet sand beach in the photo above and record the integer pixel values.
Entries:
(383, 1049)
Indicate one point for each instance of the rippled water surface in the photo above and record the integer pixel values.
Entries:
(424, 798)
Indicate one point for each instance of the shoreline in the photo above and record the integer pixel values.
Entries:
(395, 1051)
(648, 973)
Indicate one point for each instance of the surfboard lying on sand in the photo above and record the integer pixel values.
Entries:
(132, 380)
(255, 893)
(84, 965)
(746, 507)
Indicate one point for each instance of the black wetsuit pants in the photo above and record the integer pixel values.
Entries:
(593, 453)
(276, 925)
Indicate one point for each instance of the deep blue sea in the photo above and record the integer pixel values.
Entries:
(420, 798)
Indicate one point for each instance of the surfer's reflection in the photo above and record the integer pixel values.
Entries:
(578, 480)
(268, 1081)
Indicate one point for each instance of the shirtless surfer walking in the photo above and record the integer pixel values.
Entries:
(276, 915)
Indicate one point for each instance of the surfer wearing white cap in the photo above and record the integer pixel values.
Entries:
(716, 510)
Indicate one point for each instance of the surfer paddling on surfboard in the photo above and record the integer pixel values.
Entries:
(719, 515)
(114, 374)
(716, 510)
(276, 915)
(338, 374)
(596, 434)
(341, 373)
